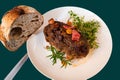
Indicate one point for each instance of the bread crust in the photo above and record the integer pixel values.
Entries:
(8, 20)
(1, 35)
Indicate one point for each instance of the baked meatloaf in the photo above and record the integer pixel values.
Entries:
(55, 34)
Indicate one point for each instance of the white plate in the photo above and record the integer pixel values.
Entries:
(37, 52)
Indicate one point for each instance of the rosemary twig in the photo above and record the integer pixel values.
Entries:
(57, 55)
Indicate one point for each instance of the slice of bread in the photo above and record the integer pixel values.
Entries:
(18, 25)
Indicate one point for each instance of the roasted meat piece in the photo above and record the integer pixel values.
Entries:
(56, 35)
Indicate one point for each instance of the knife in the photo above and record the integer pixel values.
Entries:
(16, 68)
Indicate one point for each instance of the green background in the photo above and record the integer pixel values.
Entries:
(108, 10)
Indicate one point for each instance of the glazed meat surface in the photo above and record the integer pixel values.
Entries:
(56, 35)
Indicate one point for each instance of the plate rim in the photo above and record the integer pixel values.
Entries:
(95, 15)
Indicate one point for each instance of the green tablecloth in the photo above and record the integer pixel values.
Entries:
(108, 10)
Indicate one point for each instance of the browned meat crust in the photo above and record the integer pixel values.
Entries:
(56, 35)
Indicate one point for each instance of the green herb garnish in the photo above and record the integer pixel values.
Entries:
(57, 55)
(88, 29)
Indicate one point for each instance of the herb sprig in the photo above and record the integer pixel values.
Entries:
(88, 29)
(57, 55)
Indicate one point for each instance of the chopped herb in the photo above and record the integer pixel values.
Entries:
(88, 29)
(57, 55)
